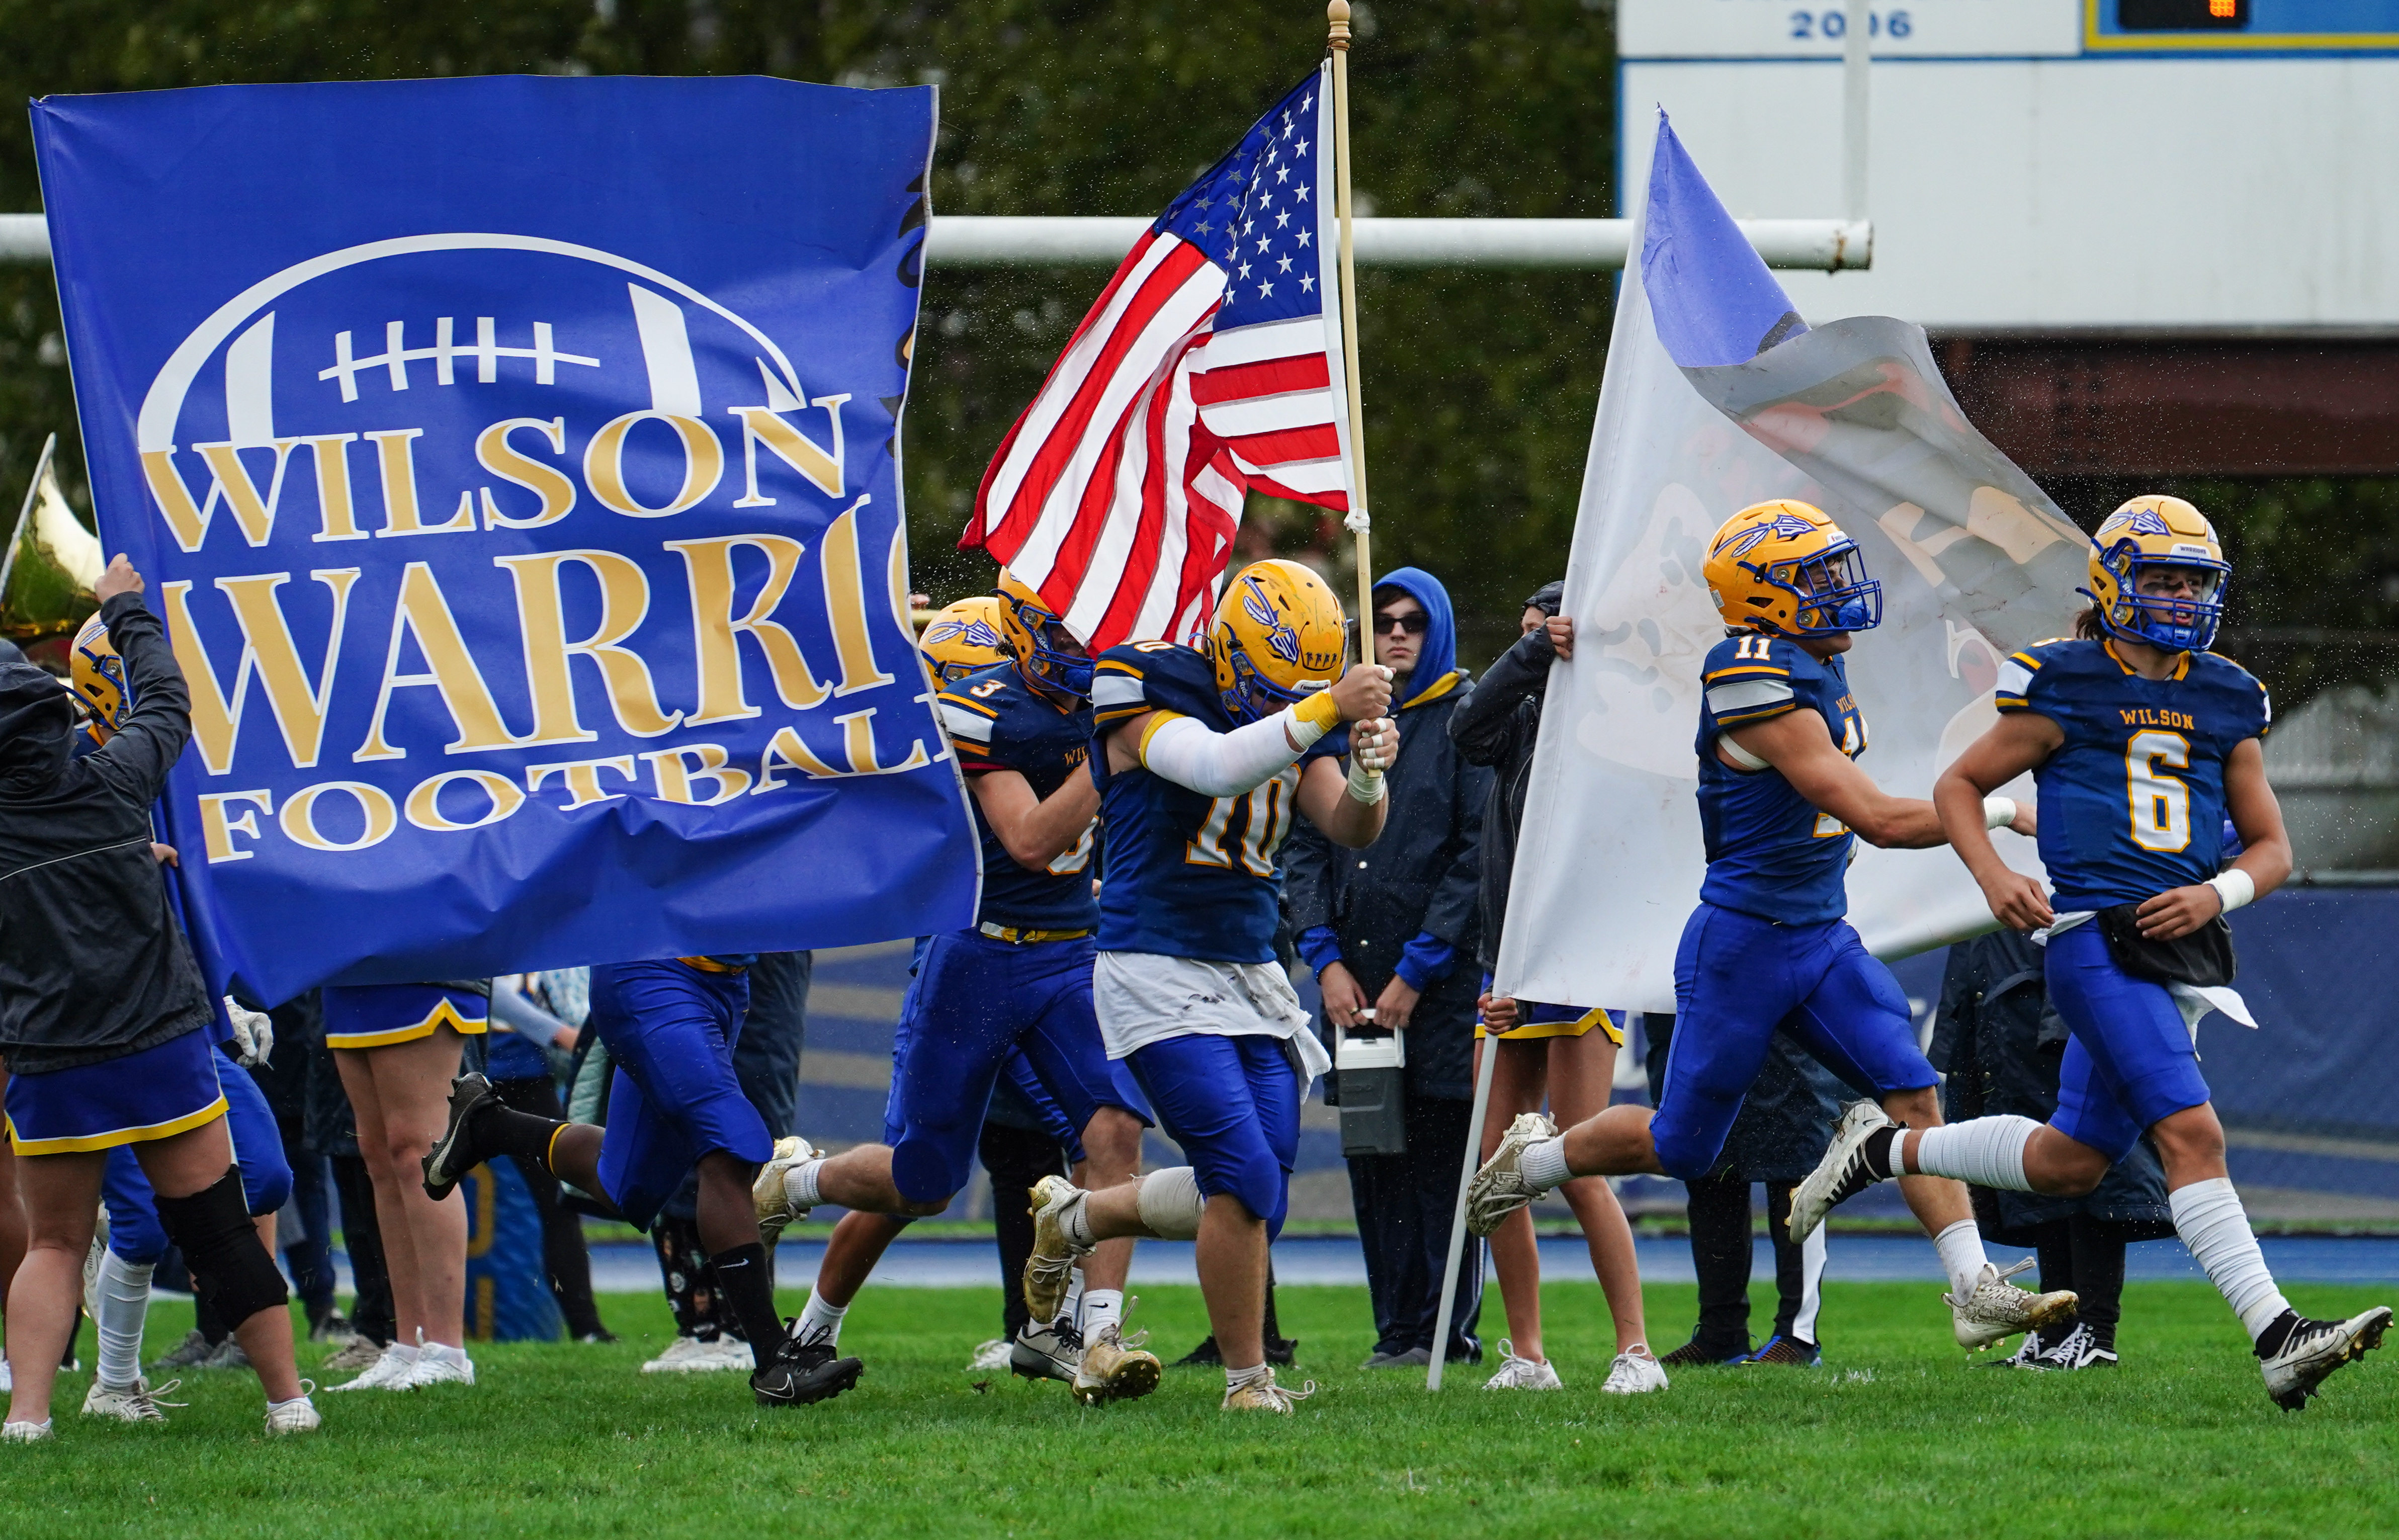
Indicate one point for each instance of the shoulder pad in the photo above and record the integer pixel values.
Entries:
(2013, 689)
(1151, 676)
(1750, 678)
(970, 708)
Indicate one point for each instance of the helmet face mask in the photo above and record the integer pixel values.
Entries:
(2147, 539)
(1278, 636)
(1046, 651)
(1784, 568)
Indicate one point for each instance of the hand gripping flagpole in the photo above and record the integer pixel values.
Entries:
(1336, 15)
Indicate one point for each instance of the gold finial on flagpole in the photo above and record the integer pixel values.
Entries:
(1336, 16)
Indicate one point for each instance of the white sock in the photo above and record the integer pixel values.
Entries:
(1987, 1152)
(1961, 1254)
(1072, 1311)
(820, 1318)
(1075, 1220)
(1102, 1307)
(1236, 1378)
(401, 1354)
(1812, 1286)
(441, 1353)
(1543, 1164)
(800, 1184)
(277, 1405)
(2209, 1218)
(124, 1290)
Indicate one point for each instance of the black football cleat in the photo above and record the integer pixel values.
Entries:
(453, 1154)
(803, 1373)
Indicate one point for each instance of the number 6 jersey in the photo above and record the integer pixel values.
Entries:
(2133, 802)
(1187, 875)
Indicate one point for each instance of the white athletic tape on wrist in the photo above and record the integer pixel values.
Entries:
(1365, 785)
(1170, 1203)
(1999, 811)
(2235, 886)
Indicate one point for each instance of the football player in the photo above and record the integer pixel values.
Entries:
(1018, 983)
(1781, 804)
(1200, 772)
(2141, 741)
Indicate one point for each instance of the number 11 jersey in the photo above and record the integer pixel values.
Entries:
(1187, 875)
(2132, 804)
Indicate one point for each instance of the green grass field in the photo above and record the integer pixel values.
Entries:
(1893, 1437)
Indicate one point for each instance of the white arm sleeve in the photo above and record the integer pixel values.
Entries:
(1225, 764)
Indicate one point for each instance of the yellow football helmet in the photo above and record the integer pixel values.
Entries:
(1047, 651)
(1784, 568)
(963, 636)
(1278, 636)
(96, 676)
(2158, 532)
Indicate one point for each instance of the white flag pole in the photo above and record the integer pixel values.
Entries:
(1457, 1223)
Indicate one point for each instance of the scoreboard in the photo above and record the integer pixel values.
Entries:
(2053, 166)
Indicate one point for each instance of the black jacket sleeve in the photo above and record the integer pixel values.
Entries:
(1484, 720)
(135, 761)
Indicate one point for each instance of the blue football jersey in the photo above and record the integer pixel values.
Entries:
(1187, 875)
(998, 723)
(2133, 802)
(1771, 853)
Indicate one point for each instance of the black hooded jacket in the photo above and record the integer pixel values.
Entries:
(93, 965)
(1495, 725)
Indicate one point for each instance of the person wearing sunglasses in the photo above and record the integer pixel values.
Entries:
(1392, 929)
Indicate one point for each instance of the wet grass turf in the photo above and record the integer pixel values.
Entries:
(1893, 1437)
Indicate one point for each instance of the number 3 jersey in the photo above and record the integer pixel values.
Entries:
(997, 722)
(2133, 802)
(1771, 853)
(1188, 875)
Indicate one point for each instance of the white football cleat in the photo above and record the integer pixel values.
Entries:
(2314, 1349)
(1113, 1368)
(1263, 1395)
(1634, 1374)
(438, 1369)
(25, 1433)
(1499, 1189)
(294, 1416)
(989, 1358)
(1053, 1350)
(137, 1402)
(1050, 1269)
(767, 1194)
(384, 1373)
(1515, 1373)
(691, 1356)
(1841, 1175)
(1994, 1308)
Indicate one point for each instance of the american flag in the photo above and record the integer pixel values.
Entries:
(1209, 366)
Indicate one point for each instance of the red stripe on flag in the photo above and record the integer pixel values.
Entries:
(1051, 457)
(1267, 377)
(1321, 441)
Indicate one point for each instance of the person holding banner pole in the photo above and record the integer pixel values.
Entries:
(1768, 949)
(104, 1021)
(1529, 1051)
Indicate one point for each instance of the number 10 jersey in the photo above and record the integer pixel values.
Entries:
(1187, 875)
(2133, 802)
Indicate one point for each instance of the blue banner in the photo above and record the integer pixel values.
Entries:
(514, 462)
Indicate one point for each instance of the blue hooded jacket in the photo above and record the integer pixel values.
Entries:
(1408, 905)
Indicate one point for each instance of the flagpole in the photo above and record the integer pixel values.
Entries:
(1336, 15)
